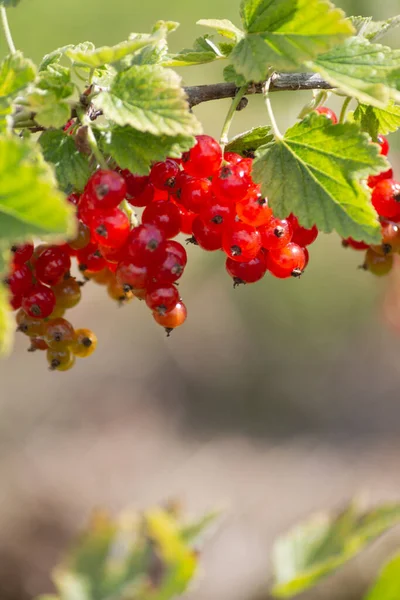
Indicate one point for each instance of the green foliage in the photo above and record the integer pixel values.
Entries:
(315, 172)
(248, 142)
(71, 167)
(374, 30)
(378, 120)
(283, 35)
(387, 587)
(98, 57)
(205, 50)
(321, 545)
(224, 27)
(16, 73)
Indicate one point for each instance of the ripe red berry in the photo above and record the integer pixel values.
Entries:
(16, 301)
(165, 216)
(39, 302)
(275, 269)
(373, 180)
(19, 281)
(90, 259)
(135, 184)
(132, 275)
(276, 234)
(386, 198)
(327, 112)
(86, 209)
(241, 242)
(111, 229)
(168, 265)
(247, 272)
(107, 189)
(204, 159)
(143, 241)
(162, 297)
(218, 214)
(187, 218)
(143, 198)
(231, 183)
(253, 209)
(113, 255)
(22, 253)
(290, 258)
(177, 249)
(163, 174)
(349, 242)
(195, 193)
(384, 145)
(74, 199)
(52, 264)
(301, 235)
(172, 319)
(206, 236)
(232, 157)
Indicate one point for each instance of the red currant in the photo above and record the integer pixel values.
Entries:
(195, 193)
(107, 189)
(301, 235)
(90, 259)
(177, 249)
(276, 234)
(165, 216)
(143, 198)
(167, 267)
(231, 183)
(232, 157)
(52, 265)
(39, 302)
(247, 272)
(19, 281)
(384, 145)
(386, 198)
(349, 242)
(327, 112)
(67, 292)
(143, 241)
(74, 199)
(241, 242)
(253, 209)
(22, 253)
(378, 264)
(135, 184)
(82, 238)
(373, 180)
(218, 214)
(172, 319)
(289, 258)
(111, 229)
(132, 275)
(204, 159)
(187, 218)
(163, 174)
(58, 334)
(206, 235)
(162, 297)
(113, 255)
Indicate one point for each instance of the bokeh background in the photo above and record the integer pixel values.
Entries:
(273, 401)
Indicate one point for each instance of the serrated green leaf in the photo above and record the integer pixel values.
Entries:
(248, 142)
(224, 27)
(360, 69)
(148, 98)
(232, 76)
(374, 30)
(71, 167)
(53, 115)
(387, 586)
(30, 203)
(16, 73)
(53, 57)
(6, 323)
(136, 150)
(205, 50)
(315, 172)
(284, 34)
(108, 54)
(378, 120)
(322, 544)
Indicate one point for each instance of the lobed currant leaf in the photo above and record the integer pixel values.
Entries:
(360, 69)
(374, 30)
(149, 98)
(49, 110)
(314, 171)
(319, 546)
(248, 142)
(378, 120)
(53, 57)
(232, 76)
(283, 34)
(30, 203)
(205, 50)
(137, 150)
(71, 167)
(16, 73)
(387, 586)
(224, 27)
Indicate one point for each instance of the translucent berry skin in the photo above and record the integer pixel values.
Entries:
(58, 334)
(22, 253)
(82, 238)
(349, 242)
(86, 209)
(386, 198)
(253, 209)
(241, 242)
(111, 229)
(60, 360)
(135, 184)
(143, 198)
(247, 272)
(276, 234)
(204, 159)
(195, 193)
(231, 183)
(177, 249)
(52, 265)
(289, 258)
(301, 235)
(172, 319)
(113, 255)
(90, 259)
(327, 112)
(37, 344)
(39, 302)
(378, 264)
(28, 325)
(106, 189)
(276, 270)
(163, 174)
(384, 145)
(68, 293)
(15, 301)
(85, 343)
(165, 216)
(373, 180)
(73, 199)
(162, 297)
(206, 236)
(218, 214)
(132, 275)
(187, 218)
(232, 157)
(168, 266)
(19, 281)
(142, 242)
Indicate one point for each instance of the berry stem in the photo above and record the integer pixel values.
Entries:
(95, 149)
(319, 98)
(231, 113)
(345, 106)
(7, 30)
(271, 115)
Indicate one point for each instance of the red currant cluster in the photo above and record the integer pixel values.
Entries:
(42, 289)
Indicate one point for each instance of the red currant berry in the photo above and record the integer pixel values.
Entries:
(350, 243)
(163, 174)
(231, 183)
(172, 319)
(74, 198)
(241, 242)
(165, 216)
(253, 209)
(168, 266)
(16, 301)
(86, 209)
(204, 159)
(187, 218)
(180, 179)
(384, 145)
(289, 258)
(111, 229)
(143, 198)
(107, 189)
(142, 242)
(195, 193)
(90, 259)
(68, 293)
(82, 238)
(232, 157)
(113, 255)
(218, 214)
(58, 334)
(378, 264)
(373, 180)
(52, 264)
(135, 184)
(206, 236)
(22, 253)
(162, 297)
(37, 344)
(301, 235)
(327, 112)
(386, 198)
(19, 281)
(39, 302)
(275, 269)
(247, 272)
(132, 275)
(276, 234)
(177, 249)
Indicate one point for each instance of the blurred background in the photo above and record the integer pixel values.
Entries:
(273, 401)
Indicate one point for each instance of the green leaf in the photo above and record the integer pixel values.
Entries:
(321, 545)
(71, 167)
(387, 587)
(248, 142)
(148, 98)
(136, 150)
(5, 116)
(30, 203)
(16, 73)
(284, 34)
(108, 54)
(315, 172)
(360, 69)
(224, 27)
(232, 76)
(374, 30)
(205, 50)
(6, 323)
(378, 120)
(53, 57)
